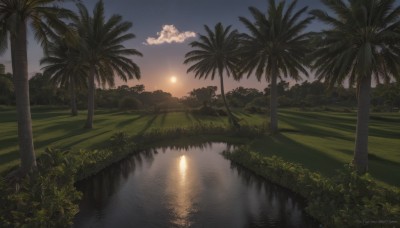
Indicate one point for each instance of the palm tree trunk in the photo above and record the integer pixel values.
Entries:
(273, 104)
(360, 159)
(74, 109)
(232, 119)
(91, 90)
(21, 85)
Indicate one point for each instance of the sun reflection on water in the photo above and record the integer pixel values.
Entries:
(182, 205)
(182, 169)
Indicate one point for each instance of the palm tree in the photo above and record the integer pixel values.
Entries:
(102, 50)
(214, 53)
(64, 66)
(44, 16)
(363, 42)
(276, 47)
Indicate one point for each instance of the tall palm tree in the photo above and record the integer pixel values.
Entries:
(44, 16)
(216, 53)
(65, 67)
(102, 50)
(363, 42)
(277, 46)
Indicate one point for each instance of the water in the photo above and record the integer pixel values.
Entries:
(191, 187)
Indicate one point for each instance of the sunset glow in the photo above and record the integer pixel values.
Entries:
(173, 79)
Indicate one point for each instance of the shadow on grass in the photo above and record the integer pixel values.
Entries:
(164, 115)
(67, 146)
(308, 128)
(49, 115)
(148, 124)
(128, 121)
(377, 131)
(8, 157)
(66, 125)
(189, 117)
(51, 140)
(290, 150)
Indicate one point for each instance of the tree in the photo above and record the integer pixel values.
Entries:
(41, 91)
(6, 86)
(204, 95)
(44, 17)
(65, 67)
(102, 50)
(363, 42)
(241, 96)
(216, 52)
(277, 46)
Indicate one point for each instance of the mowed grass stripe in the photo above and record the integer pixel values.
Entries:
(321, 141)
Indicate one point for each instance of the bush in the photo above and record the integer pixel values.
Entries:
(254, 110)
(206, 111)
(221, 112)
(129, 103)
(347, 200)
(46, 198)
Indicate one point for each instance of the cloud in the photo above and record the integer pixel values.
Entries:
(169, 34)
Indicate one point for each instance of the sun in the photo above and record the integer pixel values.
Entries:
(173, 79)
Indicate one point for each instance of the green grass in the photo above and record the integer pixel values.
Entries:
(322, 141)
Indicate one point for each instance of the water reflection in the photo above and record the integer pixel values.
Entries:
(185, 187)
(180, 195)
(182, 168)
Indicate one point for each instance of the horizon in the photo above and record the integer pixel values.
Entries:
(163, 32)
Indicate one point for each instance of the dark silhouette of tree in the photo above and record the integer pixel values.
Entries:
(45, 18)
(102, 50)
(363, 42)
(65, 68)
(276, 46)
(204, 95)
(215, 53)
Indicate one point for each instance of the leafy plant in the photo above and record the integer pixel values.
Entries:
(347, 200)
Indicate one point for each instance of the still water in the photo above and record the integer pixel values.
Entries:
(185, 187)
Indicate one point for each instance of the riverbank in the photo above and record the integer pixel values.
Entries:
(323, 196)
(345, 200)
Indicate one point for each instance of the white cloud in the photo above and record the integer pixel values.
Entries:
(169, 34)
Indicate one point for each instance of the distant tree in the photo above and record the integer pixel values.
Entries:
(277, 46)
(204, 95)
(102, 50)
(216, 53)
(6, 87)
(45, 17)
(240, 96)
(42, 92)
(362, 42)
(137, 89)
(65, 68)
(386, 96)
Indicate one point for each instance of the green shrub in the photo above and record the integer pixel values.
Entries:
(347, 200)
(129, 103)
(46, 198)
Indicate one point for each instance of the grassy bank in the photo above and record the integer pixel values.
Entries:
(320, 141)
(344, 200)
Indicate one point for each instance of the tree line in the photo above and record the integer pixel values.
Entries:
(384, 97)
(361, 43)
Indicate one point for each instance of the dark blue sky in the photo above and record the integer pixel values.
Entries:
(162, 61)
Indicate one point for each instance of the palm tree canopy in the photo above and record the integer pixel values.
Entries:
(214, 53)
(101, 44)
(62, 62)
(45, 17)
(363, 41)
(277, 43)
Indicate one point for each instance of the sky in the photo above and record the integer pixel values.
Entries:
(164, 29)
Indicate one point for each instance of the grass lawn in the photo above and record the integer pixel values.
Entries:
(320, 141)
